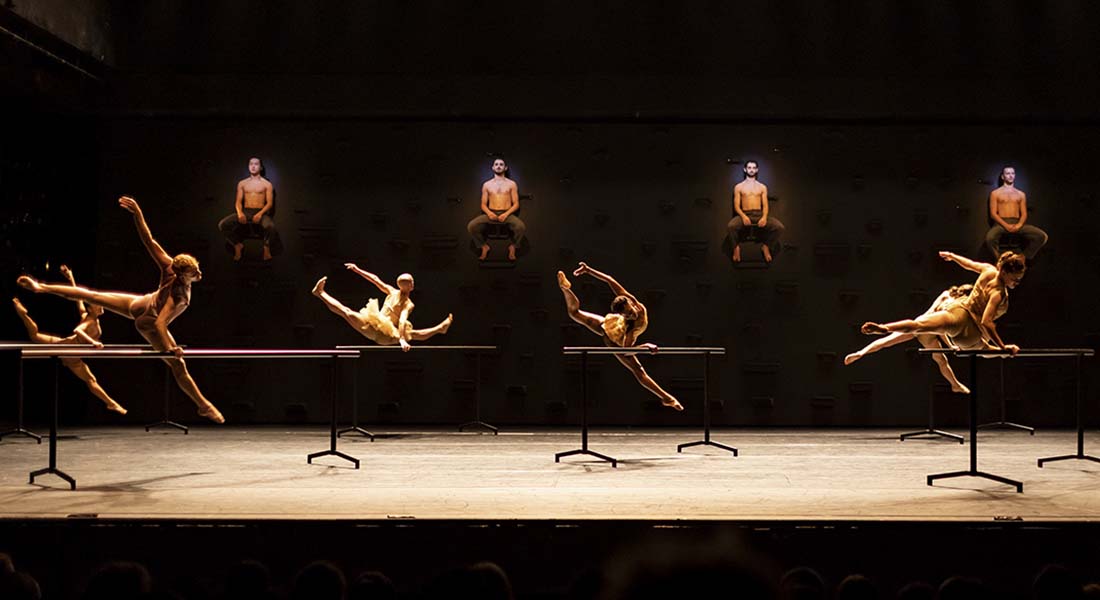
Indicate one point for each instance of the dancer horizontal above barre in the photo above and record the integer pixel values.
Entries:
(948, 297)
(87, 331)
(152, 312)
(969, 322)
(619, 328)
(386, 326)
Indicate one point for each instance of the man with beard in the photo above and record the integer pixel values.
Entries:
(255, 200)
(499, 203)
(1008, 210)
(750, 202)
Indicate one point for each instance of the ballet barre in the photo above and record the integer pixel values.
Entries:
(38, 352)
(477, 350)
(585, 351)
(15, 349)
(974, 355)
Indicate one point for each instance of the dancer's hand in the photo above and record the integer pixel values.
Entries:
(948, 256)
(241, 218)
(1012, 349)
(130, 205)
(97, 345)
(651, 347)
(583, 269)
(256, 218)
(66, 272)
(177, 351)
(405, 347)
(351, 266)
(746, 222)
(762, 222)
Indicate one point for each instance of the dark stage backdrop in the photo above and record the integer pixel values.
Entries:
(866, 208)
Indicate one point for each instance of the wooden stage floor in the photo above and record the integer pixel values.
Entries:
(798, 474)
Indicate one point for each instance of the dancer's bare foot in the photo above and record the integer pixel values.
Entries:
(767, 252)
(116, 407)
(446, 324)
(672, 403)
(28, 282)
(19, 308)
(853, 357)
(563, 283)
(959, 388)
(511, 252)
(484, 252)
(68, 274)
(237, 250)
(211, 412)
(737, 254)
(267, 252)
(320, 287)
(870, 328)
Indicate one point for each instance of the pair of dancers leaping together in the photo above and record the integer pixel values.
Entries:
(964, 316)
(390, 324)
(151, 313)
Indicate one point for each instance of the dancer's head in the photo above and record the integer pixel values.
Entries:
(1011, 267)
(95, 311)
(186, 267)
(626, 306)
(405, 282)
(256, 166)
(500, 167)
(751, 169)
(1007, 176)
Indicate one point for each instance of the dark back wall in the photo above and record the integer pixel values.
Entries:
(866, 207)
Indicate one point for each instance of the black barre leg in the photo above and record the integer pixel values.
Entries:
(19, 430)
(584, 421)
(52, 469)
(332, 451)
(477, 422)
(973, 471)
(706, 441)
(165, 421)
(1080, 430)
(1003, 423)
(931, 429)
(355, 428)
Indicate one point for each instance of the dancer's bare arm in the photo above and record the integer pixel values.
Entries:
(384, 287)
(160, 257)
(988, 325)
(485, 202)
(167, 314)
(737, 206)
(514, 205)
(764, 205)
(83, 335)
(966, 263)
(403, 329)
(615, 286)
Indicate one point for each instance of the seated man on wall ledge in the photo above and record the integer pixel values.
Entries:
(255, 201)
(750, 202)
(499, 203)
(1008, 211)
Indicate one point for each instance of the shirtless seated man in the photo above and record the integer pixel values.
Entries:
(499, 203)
(750, 202)
(255, 199)
(1008, 210)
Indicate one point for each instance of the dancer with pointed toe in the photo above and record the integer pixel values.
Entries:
(621, 327)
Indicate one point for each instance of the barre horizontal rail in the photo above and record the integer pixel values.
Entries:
(641, 350)
(415, 348)
(30, 345)
(1024, 352)
(196, 353)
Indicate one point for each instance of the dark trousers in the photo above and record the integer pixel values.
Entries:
(236, 232)
(1031, 239)
(480, 223)
(768, 234)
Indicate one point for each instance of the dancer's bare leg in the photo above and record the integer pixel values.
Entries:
(933, 341)
(116, 302)
(84, 374)
(736, 253)
(767, 252)
(183, 377)
(635, 367)
(32, 327)
(940, 323)
(511, 252)
(891, 340)
(237, 250)
(573, 307)
(334, 305)
(420, 335)
(484, 252)
(267, 252)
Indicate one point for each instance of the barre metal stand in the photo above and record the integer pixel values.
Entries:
(165, 421)
(1080, 455)
(584, 419)
(52, 468)
(931, 429)
(706, 441)
(477, 350)
(332, 451)
(1004, 423)
(19, 430)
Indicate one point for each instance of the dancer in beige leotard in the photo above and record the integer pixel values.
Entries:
(390, 324)
(153, 312)
(619, 328)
